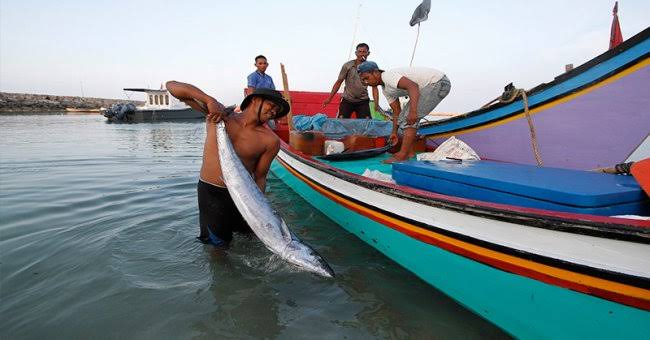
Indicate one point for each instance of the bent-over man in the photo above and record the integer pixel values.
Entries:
(425, 87)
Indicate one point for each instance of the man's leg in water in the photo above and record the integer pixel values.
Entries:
(214, 214)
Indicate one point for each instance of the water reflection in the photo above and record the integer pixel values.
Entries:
(162, 139)
(245, 304)
(258, 295)
(106, 247)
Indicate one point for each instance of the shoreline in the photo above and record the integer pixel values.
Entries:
(28, 102)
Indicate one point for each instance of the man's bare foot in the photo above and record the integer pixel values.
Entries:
(394, 159)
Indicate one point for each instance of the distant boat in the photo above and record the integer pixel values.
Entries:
(159, 105)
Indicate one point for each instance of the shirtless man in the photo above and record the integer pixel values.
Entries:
(255, 144)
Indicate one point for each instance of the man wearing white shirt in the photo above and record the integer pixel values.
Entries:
(425, 87)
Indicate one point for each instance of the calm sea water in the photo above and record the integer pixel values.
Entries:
(97, 241)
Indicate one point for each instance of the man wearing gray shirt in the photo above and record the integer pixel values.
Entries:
(355, 94)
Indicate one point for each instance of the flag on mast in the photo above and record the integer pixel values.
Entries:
(615, 36)
(420, 14)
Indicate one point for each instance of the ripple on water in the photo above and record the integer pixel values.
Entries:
(98, 240)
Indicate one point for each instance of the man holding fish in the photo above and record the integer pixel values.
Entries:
(237, 156)
(254, 143)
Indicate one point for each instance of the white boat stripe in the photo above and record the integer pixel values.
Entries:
(613, 255)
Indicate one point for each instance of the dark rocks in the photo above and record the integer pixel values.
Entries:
(24, 102)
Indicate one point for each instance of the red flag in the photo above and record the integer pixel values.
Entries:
(615, 37)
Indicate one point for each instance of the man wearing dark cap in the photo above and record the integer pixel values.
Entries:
(255, 144)
(424, 86)
(355, 94)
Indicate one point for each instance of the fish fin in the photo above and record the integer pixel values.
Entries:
(287, 235)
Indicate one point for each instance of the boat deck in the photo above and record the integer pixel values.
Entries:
(515, 184)
(358, 167)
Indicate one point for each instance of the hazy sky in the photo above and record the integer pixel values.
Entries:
(99, 47)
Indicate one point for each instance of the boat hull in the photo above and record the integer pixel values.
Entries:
(525, 304)
(161, 115)
(594, 116)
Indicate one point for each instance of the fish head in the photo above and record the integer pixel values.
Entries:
(306, 257)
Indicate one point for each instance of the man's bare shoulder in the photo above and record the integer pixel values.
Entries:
(269, 138)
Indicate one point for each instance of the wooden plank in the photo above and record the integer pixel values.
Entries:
(287, 95)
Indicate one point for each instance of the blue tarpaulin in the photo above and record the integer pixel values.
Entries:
(339, 128)
(307, 123)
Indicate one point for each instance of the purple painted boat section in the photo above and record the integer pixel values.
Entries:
(597, 129)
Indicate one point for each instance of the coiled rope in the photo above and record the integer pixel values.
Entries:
(510, 94)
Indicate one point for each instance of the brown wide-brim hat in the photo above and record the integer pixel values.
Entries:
(268, 94)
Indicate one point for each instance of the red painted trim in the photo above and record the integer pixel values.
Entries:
(579, 218)
(496, 263)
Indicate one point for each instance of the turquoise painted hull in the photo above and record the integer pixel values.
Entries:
(524, 307)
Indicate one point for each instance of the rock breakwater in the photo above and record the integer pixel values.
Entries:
(25, 102)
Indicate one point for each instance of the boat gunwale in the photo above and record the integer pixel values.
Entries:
(610, 54)
(584, 224)
(602, 273)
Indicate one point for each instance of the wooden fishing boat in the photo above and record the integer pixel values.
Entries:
(534, 250)
(533, 272)
(593, 116)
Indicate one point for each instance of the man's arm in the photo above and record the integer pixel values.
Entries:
(397, 109)
(414, 96)
(250, 84)
(337, 85)
(375, 97)
(195, 98)
(335, 89)
(264, 163)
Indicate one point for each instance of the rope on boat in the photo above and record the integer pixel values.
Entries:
(509, 95)
(354, 35)
(618, 169)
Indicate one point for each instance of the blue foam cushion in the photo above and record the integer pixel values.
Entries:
(525, 185)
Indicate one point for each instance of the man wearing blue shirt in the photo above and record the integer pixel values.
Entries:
(259, 79)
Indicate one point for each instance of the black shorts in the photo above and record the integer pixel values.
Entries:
(218, 215)
(362, 109)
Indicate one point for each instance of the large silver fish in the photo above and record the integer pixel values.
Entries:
(265, 222)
